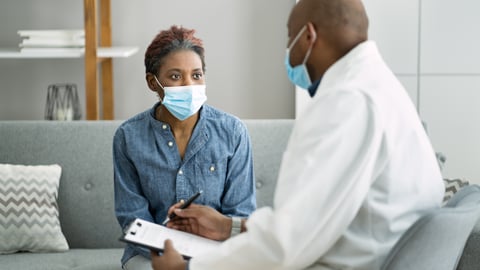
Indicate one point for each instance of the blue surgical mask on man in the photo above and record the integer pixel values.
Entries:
(183, 101)
(298, 75)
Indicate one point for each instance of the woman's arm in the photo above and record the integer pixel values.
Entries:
(130, 203)
(239, 191)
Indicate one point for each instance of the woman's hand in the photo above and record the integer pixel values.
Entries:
(201, 220)
(175, 206)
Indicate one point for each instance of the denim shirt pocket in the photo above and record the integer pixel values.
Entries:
(211, 177)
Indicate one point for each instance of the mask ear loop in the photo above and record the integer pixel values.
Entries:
(159, 84)
(297, 37)
(310, 48)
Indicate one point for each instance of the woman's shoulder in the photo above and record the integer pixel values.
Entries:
(135, 121)
(211, 113)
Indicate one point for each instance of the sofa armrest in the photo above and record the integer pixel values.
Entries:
(470, 259)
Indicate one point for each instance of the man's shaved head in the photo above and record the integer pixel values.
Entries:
(343, 23)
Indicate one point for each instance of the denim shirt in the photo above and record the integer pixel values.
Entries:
(150, 176)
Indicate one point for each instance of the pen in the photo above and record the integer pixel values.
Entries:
(184, 205)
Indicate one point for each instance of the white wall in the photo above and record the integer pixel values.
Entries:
(450, 82)
(244, 40)
(431, 45)
(433, 48)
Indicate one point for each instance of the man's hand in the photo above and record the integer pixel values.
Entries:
(170, 260)
(202, 220)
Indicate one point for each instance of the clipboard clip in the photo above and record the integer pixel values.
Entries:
(131, 228)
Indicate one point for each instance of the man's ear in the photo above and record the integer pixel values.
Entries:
(312, 32)
(151, 82)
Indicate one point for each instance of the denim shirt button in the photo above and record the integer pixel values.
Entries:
(212, 168)
(170, 144)
(164, 126)
(180, 172)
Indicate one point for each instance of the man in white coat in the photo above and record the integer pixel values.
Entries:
(357, 172)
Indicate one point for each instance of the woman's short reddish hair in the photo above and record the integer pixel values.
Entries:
(174, 39)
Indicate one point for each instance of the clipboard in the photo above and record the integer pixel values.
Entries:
(152, 236)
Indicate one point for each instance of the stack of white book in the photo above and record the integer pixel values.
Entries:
(61, 41)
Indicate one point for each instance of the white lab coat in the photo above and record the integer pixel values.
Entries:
(357, 172)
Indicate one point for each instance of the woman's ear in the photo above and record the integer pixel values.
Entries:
(151, 82)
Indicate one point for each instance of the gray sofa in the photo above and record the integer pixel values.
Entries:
(85, 199)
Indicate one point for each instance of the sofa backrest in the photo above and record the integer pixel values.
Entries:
(84, 151)
(269, 139)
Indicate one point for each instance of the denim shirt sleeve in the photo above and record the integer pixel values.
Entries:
(129, 201)
(239, 196)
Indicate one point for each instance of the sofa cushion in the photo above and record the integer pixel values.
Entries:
(73, 259)
(29, 210)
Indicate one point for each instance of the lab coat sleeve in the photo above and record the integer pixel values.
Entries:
(325, 175)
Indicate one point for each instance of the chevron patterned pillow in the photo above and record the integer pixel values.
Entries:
(29, 210)
(452, 186)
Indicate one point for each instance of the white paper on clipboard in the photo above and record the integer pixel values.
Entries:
(153, 236)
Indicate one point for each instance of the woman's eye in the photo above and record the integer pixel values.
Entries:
(197, 76)
(175, 76)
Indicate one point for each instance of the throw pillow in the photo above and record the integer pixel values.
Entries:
(29, 210)
(452, 186)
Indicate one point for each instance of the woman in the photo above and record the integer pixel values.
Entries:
(180, 146)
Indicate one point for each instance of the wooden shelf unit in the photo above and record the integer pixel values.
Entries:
(98, 54)
(102, 52)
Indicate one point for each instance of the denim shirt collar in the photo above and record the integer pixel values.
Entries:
(199, 135)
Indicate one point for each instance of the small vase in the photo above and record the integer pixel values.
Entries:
(62, 103)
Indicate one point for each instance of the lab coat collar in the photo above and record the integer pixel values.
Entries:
(341, 70)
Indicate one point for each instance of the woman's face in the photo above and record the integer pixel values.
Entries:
(181, 68)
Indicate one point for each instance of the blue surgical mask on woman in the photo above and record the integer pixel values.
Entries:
(183, 101)
(298, 75)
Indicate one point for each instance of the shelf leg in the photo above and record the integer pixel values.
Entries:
(107, 64)
(91, 73)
